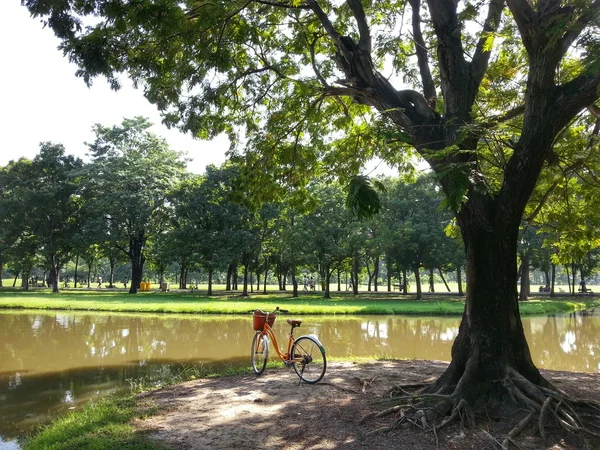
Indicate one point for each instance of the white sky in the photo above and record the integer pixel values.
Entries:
(41, 99)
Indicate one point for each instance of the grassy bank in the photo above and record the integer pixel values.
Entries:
(172, 302)
(106, 424)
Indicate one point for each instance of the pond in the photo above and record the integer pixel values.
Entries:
(53, 362)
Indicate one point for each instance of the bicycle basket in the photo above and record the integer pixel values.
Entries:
(260, 317)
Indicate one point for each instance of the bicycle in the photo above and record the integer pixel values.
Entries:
(305, 354)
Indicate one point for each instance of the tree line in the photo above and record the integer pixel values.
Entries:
(135, 202)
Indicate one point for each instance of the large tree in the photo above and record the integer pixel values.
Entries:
(295, 72)
(127, 183)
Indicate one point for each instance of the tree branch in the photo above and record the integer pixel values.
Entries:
(525, 18)
(495, 120)
(313, 62)
(454, 70)
(482, 54)
(364, 42)
(577, 94)
(422, 56)
(577, 28)
(322, 16)
(281, 5)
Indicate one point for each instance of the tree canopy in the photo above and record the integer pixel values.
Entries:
(482, 90)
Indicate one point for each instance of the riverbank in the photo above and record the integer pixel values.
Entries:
(233, 303)
(273, 411)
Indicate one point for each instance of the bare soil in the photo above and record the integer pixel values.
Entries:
(275, 411)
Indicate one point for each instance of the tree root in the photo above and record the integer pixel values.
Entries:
(543, 406)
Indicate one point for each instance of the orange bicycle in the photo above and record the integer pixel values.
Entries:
(305, 354)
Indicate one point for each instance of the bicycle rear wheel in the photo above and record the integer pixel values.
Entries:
(308, 359)
(260, 353)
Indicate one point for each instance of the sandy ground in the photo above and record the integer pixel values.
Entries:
(275, 411)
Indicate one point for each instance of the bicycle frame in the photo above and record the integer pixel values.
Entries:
(268, 331)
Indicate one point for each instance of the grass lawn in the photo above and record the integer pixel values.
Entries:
(307, 303)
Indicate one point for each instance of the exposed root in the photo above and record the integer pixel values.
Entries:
(364, 383)
(543, 406)
(518, 429)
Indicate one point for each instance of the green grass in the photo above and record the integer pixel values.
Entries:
(102, 425)
(373, 303)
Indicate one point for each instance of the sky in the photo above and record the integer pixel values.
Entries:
(41, 99)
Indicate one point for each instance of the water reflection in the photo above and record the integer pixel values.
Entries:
(53, 362)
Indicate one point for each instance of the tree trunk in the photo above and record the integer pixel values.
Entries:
(443, 279)
(137, 258)
(524, 294)
(389, 276)
(490, 347)
(574, 273)
(1, 270)
(354, 276)
(431, 281)
(229, 270)
(76, 267)
(552, 294)
(210, 281)
(418, 283)
(459, 280)
(245, 288)
(376, 273)
(24, 280)
(339, 280)
(327, 275)
(55, 272)
(294, 282)
(111, 275)
(404, 282)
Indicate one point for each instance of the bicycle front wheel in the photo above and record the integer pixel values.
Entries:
(308, 359)
(260, 353)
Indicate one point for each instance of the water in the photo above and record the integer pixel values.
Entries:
(53, 362)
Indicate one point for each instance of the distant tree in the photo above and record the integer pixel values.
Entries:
(127, 183)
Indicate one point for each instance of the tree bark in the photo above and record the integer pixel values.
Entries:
(443, 279)
(491, 340)
(418, 282)
(524, 294)
(459, 280)
(354, 276)
(431, 281)
(210, 281)
(376, 272)
(553, 280)
(245, 288)
(327, 275)
(137, 258)
(294, 282)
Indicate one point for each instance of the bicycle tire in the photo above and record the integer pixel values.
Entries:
(308, 359)
(259, 353)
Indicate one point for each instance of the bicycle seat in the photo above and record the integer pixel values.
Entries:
(294, 323)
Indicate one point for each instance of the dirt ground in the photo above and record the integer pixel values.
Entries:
(275, 411)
